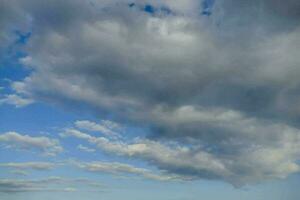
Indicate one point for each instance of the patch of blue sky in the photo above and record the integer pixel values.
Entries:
(41, 119)
(22, 37)
(150, 9)
(207, 7)
(131, 5)
(12, 70)
(33, 118)
(10, 67)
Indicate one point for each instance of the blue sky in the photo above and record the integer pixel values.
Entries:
(165, 100)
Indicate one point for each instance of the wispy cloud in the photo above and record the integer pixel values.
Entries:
(86, 149)
(19, 172)
(29, 165)
(125, 169)
(16, 100)
(108, 128)
(195, 161)
(47, 146)
(50, 184)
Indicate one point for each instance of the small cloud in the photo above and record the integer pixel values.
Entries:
(19, 172)
(29, 165)
(69, 189)
(16, 100)
(86, 149)
(48, 146)
(105, 127)
(27, 61)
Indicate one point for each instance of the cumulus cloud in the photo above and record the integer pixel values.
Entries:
(47, 146)
(218, 93)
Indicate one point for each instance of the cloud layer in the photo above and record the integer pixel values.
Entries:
(233, 159)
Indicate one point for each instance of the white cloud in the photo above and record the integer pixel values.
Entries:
(121, 168)
(106, 127)
(86, 149)
(76, 133)
(29, 165)
(16, 100)
(45, 145)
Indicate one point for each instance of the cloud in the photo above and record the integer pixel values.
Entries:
(77, 134)
(106, 127)
(259, 149)
(50, 184)
(216, 93)
(19, 172)
(121, 168)
(47, 146)
(16, 100)
(29, 165)
(86, 149)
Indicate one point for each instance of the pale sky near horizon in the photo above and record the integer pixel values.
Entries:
(143, 100)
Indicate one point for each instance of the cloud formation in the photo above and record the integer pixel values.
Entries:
(14, 99)
(121, 168)
(226, 160)
(220, 94)
(106, 127)
(29, 165)
(47, 146)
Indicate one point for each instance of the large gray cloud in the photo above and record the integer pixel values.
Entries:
(227, 83)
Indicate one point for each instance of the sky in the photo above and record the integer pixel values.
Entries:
(143, 100)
